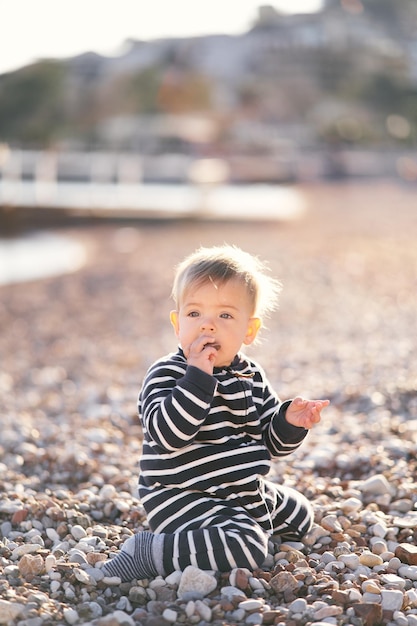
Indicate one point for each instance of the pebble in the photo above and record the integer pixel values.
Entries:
(370, 559)
(391, 599)
(250, 605)
(254, 618)
(9, 611)
(71, 616)
(203, 610)
(196, 580)
(70, 439)
(408, 571)
(407, 553)
(170, 615)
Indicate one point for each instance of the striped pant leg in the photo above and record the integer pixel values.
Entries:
(223, 544)
(292, 514)
(206, 532)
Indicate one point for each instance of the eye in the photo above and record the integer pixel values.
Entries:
(226, 316)
(193, 314)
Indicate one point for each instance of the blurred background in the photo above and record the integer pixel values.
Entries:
(127, 142)
(248, 94)
(293, 120)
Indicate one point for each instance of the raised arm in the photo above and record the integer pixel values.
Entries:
(174, 403)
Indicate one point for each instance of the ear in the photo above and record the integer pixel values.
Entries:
(252, 331)
(173, 316)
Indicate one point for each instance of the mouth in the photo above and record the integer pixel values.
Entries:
(216, 346)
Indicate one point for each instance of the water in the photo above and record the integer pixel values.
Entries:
(240, 202)
(37, 256)
(43, 254)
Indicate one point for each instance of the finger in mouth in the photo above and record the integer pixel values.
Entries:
(216, 346)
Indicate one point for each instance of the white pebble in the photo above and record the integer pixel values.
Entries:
(151, 593)
(334, 566)
(393, 581)
(408, 571)
(78, 532)
(124, 604)
(203, 610)
(412, 597)
(5, 529)
(400, 619)
(108, 492)
(50, 563)
(254, 618)
(71, 616)
(196, 580)
(371, 597)
(81, 576)
(52, 534)
(170, 615)
(190, 608)
(122, 505)
(95, 574)
(327, 557)
(351, 505)
(298, 606)
(157, 583)
(251, 605)
(230, 592)
(238, 615)
(392, 599)
(379, 530)
(294, 545)
(315, 534)
(26, 548)
(174, 578)
(112, 581)
(354, 595)
(377, 485)
(95, 609)
(122, 618)
(69, 593)
(378, 545)
(350, 560)
(256, 584)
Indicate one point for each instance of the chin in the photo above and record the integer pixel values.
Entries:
(222, 363)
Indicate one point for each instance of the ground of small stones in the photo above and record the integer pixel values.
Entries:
(74, 350)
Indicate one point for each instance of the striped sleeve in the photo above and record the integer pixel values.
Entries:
(174, 402)
(281, 438)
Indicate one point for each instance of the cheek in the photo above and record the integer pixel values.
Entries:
(183, 328)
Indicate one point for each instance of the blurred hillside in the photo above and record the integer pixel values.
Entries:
(345, 77)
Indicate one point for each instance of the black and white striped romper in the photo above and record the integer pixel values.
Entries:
(208, 445)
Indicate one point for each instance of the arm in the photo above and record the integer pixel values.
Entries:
(174, 402)
(286, 424)
(281, 437)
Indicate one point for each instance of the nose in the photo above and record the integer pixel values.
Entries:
(207, 325)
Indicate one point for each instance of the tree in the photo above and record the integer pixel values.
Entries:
(32, 103)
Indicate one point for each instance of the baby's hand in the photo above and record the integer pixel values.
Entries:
(305, 413)
(202, 353)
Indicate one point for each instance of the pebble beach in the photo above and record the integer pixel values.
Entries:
(74, 349)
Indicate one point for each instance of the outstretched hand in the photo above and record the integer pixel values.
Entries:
(305, 413)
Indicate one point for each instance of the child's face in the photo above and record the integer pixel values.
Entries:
(222, 313)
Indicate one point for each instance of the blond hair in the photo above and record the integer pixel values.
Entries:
(220, 264)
